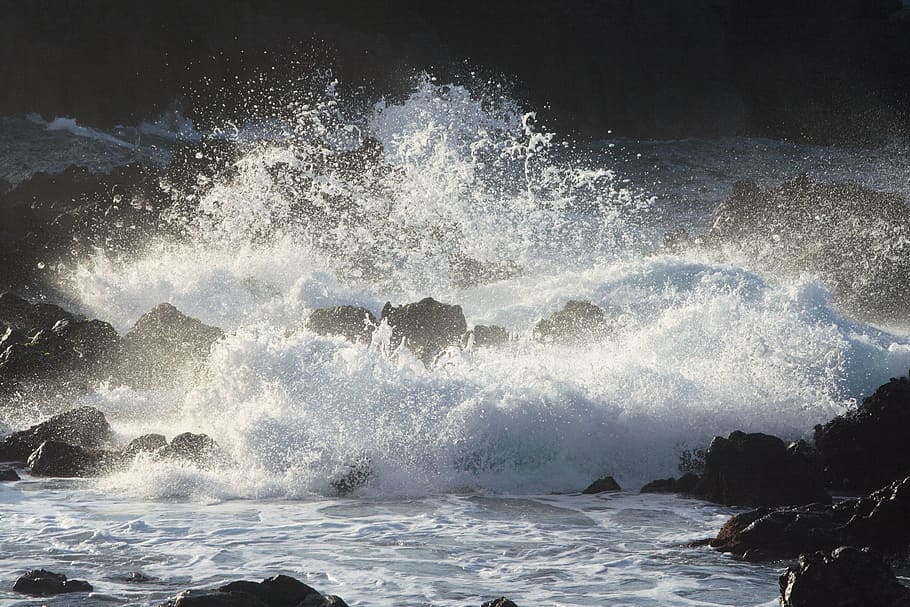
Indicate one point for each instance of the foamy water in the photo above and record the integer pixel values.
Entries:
(704, 345)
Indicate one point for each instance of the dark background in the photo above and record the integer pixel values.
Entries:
(835, 71)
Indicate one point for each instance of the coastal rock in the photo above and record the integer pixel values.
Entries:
(147, 443)
(353, 322)
(39, 582)
(427, 327)
(198, 449)
(846, 577)
(685, 484)
(759, 470)
(55, 458)
(355, 475)
(277, 591)
(869, 446)
(8, 475)
(489, 336)
(500, 602)
(21, 315)
(578, 321)
(602, 485)
(880, 521)
(85, 427)
(161, 345)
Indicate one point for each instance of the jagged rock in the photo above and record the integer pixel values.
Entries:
(356, 475)
(759, 470)
(353, 322)
(39, 582)
(427, 327)
(500, 602)
(197, 449)
(277, 591)
(8, 475)
(147, 443)
(55, 458)
(602, 485)
(160, 346)
(685, 484)
(24, 316)
(486, 336)
(869, 446)
(84, 427)
(880, 521)
(578, 321)
(846, 577)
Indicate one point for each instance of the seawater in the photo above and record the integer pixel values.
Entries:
(469, 456)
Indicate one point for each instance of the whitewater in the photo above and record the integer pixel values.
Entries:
(477, 459)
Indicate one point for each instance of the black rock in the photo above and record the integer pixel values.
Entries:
(759, 470)
(486, 336)
(39, 582)
(277, 591)
(685, 484)
(198, 449)
(869, 446)
(356, 474)
(602, 485)
(846, 577)
(24, 316)
(8, 475)
(500, 602)
(54, 458)
(356, 324)
(427, 327)
(880, 521)
(84, 427)
(147, 443)
(578, 321)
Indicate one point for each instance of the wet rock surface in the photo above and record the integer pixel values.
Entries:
(578, 321)
(845, 577)
(85, 427)
(55, 458)
(39, 582)
(684, 485)
(277, 591)
(355, 323)
(427, 327)
(602, 485)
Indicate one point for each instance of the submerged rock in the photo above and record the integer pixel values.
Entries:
(759, 470)
(685, 484)
(880, 521)
(39, 582)
(355, 323)
(578, 321)
(602, 485)
(277, 591)
(426, 327)
(85, 427)
(846, 577)
(500, 602)
(869, 446)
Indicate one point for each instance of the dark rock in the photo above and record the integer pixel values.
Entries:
(684, 484)
(160, 346)
(8, 475)
(846, 577)
(39, 582)
(55, 458)
(197, 449)
(356, 324)
(578, 321)
(84, 427)
(356, 474)
(602, 485)
(147, 443)
(758, 470)
(277, 591)
(426, 327)
(869, 446)
(137, 577)
(24, 316)
(880, 521)
(500, 602)
(487, 336)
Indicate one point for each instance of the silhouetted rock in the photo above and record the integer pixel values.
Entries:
(162, 345)
(277, 591)
(147, 443)
(488, 336)
(500, 602)
(685, 484)
(55, 458)
(846, 577)
(84, 427)
(869, 446)
(197, 449)
(427, 327)
(758, 470)
(39, 582)
(578, 321)
(602, 485)
(355, 323)
(21, 315)
(878, 521)
(8, 475)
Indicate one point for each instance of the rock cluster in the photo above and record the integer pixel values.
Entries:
(39, 582)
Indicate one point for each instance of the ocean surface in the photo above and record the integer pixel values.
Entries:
(477, 461)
